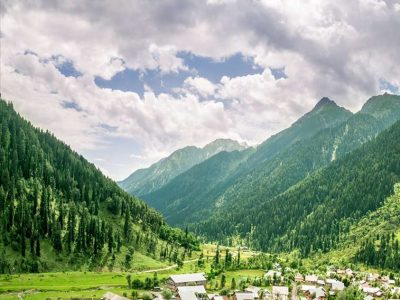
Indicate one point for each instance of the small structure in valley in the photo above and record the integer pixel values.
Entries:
(175, 281)
(254, 290)
(197, 292)
(280, 293)
(243, 296)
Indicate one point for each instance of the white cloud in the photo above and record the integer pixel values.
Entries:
(339, 49)
(200, 85)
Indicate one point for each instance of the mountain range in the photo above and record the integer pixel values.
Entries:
(275, 196)
(323, 185)
(147, 180)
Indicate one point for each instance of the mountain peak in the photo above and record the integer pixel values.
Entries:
(382, 106)
(324, 101)
(224, 144)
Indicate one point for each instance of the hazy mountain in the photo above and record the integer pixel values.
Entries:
(144, 181)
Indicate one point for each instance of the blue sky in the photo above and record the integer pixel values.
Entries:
(127, 85)
(207, 67)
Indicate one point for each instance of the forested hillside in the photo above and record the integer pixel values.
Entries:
(183, 197)
(147, 180)
(381, 235)
(314, 214)
(56, 205)
(248, 194)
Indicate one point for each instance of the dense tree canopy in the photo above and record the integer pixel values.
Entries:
(50, 193)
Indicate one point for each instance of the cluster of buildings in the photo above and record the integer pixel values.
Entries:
(372, 285)
(305, 287)
(192, 287)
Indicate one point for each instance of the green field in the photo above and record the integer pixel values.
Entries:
(90, 284)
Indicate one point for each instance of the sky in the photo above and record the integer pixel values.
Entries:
(126, 83)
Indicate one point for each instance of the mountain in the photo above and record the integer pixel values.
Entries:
(314, 213)
(59, 212)
(325, 114)
(384, 108)
(223, 205)
(144, 181)
(197, 193)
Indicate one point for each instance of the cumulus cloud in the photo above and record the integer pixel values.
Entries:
(341, 49)
(200, 85)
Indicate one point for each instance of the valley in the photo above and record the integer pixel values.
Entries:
(285, 206)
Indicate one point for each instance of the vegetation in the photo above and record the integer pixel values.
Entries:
(144, 181)
(53, 201)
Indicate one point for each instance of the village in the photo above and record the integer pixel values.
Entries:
(195, 286)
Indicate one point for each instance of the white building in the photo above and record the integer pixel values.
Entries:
(280, 293)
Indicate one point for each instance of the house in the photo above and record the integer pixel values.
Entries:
(197, 292)
(280, 293)
(321, 282)
(337, 286)
(373, 291)
(243, 296)
(316, 293)
(253, 289)
(298, 278)
(305, 288)
(175, 281)
(112, 296)
(311, 278)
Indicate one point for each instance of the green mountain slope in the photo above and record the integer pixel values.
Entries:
(145, 181)
(313, 214)
(325, 114)
(374, 240)
(189, 197)
(275, 175)
(245, 200)
(198, 192)
(57, 211)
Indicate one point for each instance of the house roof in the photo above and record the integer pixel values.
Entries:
(371, 290)
(182, 278)
(281, 290)
(338, 286)
(312, 278)
(254, 290)
(305, 287)
(244, 296)
(318, 292)
(189, 292)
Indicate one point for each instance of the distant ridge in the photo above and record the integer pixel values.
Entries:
(145, 181)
